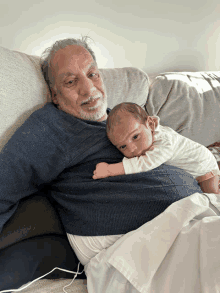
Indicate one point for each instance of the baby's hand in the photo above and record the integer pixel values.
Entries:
(101, 171)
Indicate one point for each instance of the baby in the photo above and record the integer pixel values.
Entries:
(146, 145)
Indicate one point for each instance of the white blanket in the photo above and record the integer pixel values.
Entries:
(178, 251)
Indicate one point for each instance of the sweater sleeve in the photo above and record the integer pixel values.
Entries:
(32, 157)
(162, 152)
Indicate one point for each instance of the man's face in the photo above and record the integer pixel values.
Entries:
(78, 89)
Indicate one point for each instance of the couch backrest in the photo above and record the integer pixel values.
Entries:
(23, 89)
(188, 102)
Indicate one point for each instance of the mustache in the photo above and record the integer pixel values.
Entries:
(91, 98)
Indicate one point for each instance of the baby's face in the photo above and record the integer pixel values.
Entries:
(131, 137)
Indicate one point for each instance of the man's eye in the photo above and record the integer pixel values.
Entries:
(135, 136)
(94, 75)
(69, 82)
(123, 147)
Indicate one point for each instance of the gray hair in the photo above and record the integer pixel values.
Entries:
(49, 53)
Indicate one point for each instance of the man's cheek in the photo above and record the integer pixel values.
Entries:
(100, 86)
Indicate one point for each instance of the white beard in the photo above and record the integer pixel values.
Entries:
(94, 116)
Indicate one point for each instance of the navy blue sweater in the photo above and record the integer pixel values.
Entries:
(60, 151)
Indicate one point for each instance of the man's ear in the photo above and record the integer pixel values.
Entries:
(54, 96)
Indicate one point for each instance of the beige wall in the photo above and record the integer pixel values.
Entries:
(153, 35)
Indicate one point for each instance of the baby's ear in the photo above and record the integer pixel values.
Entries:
(150, 123)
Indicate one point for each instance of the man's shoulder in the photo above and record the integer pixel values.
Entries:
(46, 111)
(49, 114)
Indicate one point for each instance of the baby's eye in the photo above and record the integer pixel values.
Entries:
(135, 136)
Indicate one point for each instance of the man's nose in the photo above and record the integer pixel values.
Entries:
(86, 86)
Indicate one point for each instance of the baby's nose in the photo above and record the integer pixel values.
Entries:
(133, 148)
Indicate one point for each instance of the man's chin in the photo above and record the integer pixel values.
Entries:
(95, 115)
(103, 118)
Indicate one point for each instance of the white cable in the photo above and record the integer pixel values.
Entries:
(56, 268)
(72, 279)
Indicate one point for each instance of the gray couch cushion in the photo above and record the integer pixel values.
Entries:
(188, 102)
(126, 84)
(22, 90)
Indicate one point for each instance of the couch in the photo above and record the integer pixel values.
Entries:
(34, 239)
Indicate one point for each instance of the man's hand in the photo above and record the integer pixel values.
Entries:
(104, 170)
(101, 171)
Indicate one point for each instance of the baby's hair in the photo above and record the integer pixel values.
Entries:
(113, 118)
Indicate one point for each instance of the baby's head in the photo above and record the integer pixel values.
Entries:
(130, 129)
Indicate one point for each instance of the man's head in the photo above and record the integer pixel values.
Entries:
(130, 129)
(76, 87)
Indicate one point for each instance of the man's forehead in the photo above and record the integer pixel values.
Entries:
(64, 55)
(66, 60)
(72, 73)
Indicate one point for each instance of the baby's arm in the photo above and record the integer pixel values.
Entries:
(211, 185)
(209, 182)
(153, 158)
(161, 153)
(104, 170)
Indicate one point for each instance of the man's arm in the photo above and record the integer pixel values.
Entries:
(30, 159)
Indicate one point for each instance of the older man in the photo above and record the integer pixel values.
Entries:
(60, 145)
(78, 89)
